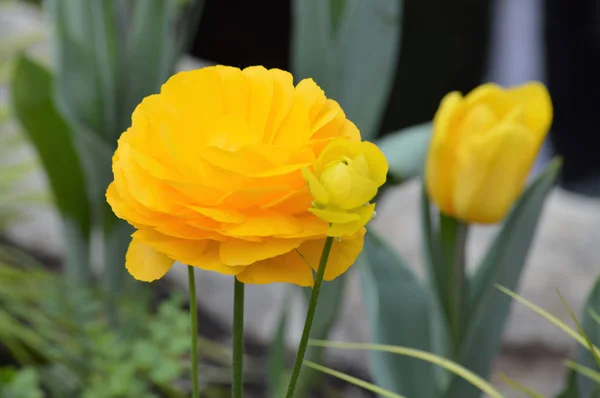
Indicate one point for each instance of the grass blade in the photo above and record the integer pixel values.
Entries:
(353, 380)
(425, 356)
(549, 317)
(584, 371)
(518, 388)
(582, 332)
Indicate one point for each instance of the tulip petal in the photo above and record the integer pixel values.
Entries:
(343, 254)
(287, 268)
(535, 98)
(438, 170)
(491, 171)
(145, 263)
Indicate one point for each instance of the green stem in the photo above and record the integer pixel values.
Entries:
(453, 241)
(194, 331)
(238, 340)
(310, 315)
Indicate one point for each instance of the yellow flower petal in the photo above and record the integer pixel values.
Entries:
(236, 252)
(535, 99)
(491, 172)
(316, 188)
(287, 268)
(343, 254)
(184, 250)
(210, 260)
(222, 215)
(144, 263)
(365, 214)
(261, 97)
(267, 225)
(334, 216)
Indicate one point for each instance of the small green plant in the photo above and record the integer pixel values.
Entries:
(22, 383)
(73, 350)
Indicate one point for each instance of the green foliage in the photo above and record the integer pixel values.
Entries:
(585, 386)
(406, 151)
(76, 352)
(503, 264)
(51, 137)
(400, 313)
(23, 383)
(349, 47)
(396, 307)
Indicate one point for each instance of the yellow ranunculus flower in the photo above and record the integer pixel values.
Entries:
(209, 173)
(483, 147)
(347, 175)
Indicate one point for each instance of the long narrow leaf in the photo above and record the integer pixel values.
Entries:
(353, 380)
(453, 367)
(502, 264)
(585, 386)
(518, 388)
(353, 62)
(549, 317)
(52, 138)
(398, 311)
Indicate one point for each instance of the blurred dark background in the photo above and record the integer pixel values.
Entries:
(445, 45)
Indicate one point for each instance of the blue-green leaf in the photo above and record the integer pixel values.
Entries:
(502, 265)
(406, 151)
(398, 311)
(86, 58)
(52, 138)
(585, 386)
(350, 50)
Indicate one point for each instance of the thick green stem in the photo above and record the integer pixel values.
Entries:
(194, 332)
(310, 315)
(238, 340)
(453, 240)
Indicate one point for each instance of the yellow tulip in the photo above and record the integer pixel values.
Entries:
(483, 147)
(210, 174)
(346, 177)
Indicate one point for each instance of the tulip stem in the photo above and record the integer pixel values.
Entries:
(454, 239)
(310, 315)
(194, 331)
(238, 340)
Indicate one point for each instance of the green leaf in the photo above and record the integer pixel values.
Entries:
(583, 356)
(398, 312)
(354, 63)
(519, 388)
(405, 151)
(52, 138)
(151, 49)
(502, 265)
(80, 87)
(437, 360)
(570, 390)
(353, 380)
(584, 371)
